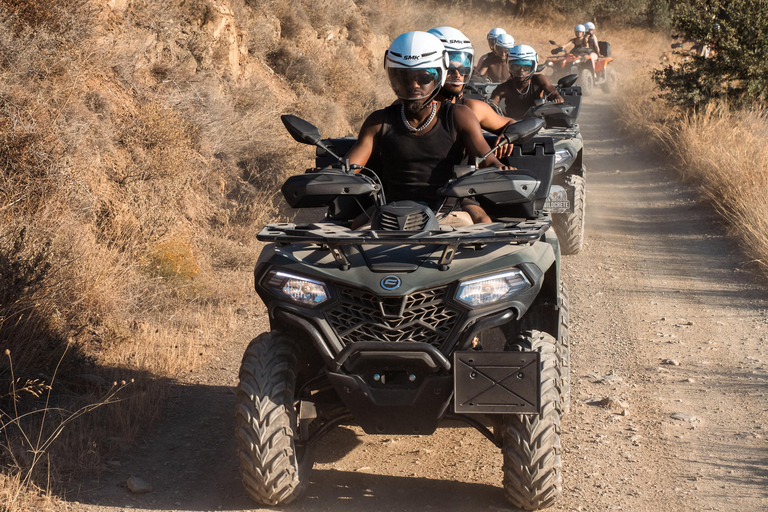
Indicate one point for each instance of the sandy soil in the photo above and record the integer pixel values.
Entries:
(665, 319)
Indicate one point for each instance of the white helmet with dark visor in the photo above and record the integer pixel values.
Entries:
(416, 64)
(461, 54)
(522, 61)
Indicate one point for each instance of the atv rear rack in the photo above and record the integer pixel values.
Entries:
(335, 237)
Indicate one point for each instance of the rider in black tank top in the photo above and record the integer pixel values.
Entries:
(424, 162)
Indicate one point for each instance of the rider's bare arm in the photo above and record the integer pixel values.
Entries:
(363, 148)
(468, 130)
(549, 91)
(492, 122)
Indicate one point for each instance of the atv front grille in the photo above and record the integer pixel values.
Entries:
(413, 221)
(421, 317)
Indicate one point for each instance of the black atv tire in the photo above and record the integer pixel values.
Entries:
(273, 470)
(569, 227)
(564, 353)
(586, 81)
(531, 442)
(611, 81)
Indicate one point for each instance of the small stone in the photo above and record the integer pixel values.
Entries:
(672, 362)
(625, 412)
(138, 486)
(684, 416)
(609, 402)
(690, 380)
(364, 468)
(241, 312)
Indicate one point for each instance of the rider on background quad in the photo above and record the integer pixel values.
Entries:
(491, 38)
(524, 87)
(592, 38)
(421, 139)
(460, 65)
(582, 45)
(495, 66)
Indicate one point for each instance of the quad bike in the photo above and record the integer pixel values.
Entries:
(567, 195)
(562, 64)
(408, 324)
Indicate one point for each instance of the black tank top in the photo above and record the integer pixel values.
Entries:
(518, 103)
(415, 166)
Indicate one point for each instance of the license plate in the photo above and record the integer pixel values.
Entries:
(496, 382)
(558, 200)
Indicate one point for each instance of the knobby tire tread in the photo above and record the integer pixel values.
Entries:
(269, 463)
(569, 227)
(531, 442)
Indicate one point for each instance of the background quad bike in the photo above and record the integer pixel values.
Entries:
(567, 200)
(563, 64)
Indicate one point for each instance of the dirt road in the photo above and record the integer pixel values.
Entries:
(665, 321)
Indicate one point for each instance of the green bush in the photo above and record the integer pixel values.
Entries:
(737, 68)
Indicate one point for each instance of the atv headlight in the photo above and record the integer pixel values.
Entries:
(299, 289)
(561, 155)
(487, 290)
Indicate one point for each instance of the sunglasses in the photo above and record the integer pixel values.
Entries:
(421, 77)
(463, 70)
(520, 67)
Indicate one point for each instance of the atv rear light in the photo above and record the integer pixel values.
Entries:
(299, 289)
(561, 155)
(487, 290)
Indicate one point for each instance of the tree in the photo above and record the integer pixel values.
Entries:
(736, 69)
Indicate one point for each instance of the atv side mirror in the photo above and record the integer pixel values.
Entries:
(301, 130)
(307, 133)
(540, 68)
(523, 131)
(567, 81)
(557, 50)
(552, 42)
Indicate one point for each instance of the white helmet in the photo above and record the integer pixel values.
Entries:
(579, 28)
(589, 25)
(522, 61)
(461, 55)
(416, 65)
(493, 34)
(504, 43)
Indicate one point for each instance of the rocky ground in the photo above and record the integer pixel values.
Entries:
(670, 381)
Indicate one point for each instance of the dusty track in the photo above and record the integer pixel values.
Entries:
(658, 280)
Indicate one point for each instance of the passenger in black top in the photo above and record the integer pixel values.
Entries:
(524, 87)
(420, 139)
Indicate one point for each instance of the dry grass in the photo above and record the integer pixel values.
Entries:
(721, 151)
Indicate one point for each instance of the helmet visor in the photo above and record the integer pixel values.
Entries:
(521, 68)
(459, 67)
(413, 84)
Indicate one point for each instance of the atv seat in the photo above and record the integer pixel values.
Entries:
(605, 48)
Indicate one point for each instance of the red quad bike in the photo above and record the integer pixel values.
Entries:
(562, 64)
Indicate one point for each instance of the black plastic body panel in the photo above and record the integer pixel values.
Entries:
(315, 190)
(399, 408)
(497, 382)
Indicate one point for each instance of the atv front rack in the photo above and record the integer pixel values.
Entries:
(336, 237)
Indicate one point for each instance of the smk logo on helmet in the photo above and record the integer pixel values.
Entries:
(416, 65)
(461, 55)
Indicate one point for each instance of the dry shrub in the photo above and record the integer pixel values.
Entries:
(720, 150)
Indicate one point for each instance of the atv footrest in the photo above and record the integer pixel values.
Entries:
(497, 382)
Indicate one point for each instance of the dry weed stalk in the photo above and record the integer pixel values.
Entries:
(21, 441)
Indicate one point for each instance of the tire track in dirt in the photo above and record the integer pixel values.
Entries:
(658, 280)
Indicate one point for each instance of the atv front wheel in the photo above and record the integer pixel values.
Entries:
(564, 353)
(531, 442)
(569, 227)
(274, 470)
(586, 81)
(611, 81)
